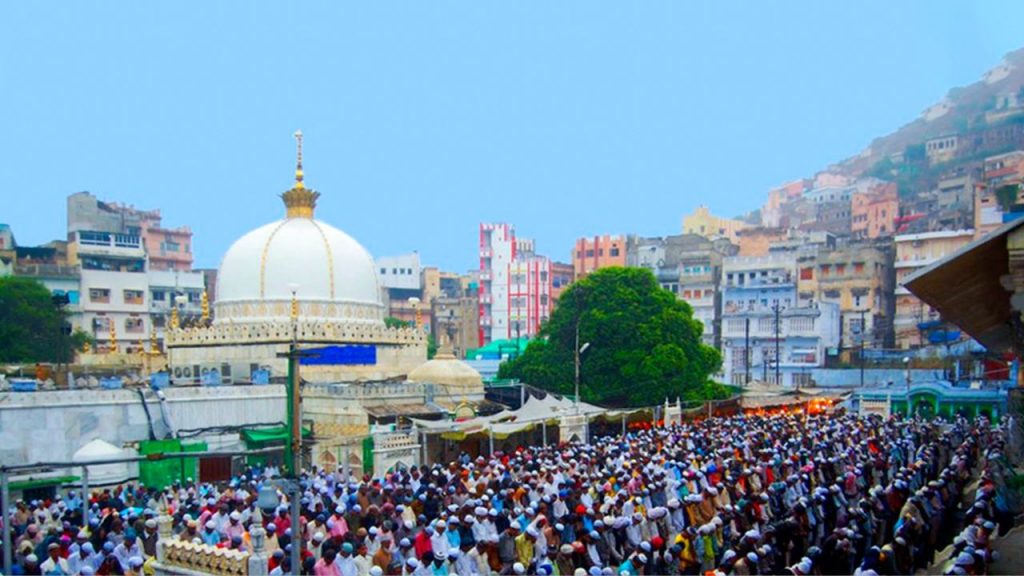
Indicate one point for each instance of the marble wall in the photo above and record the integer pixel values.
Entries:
(51, 426)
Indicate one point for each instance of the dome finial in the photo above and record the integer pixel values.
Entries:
(298, 161)
(299, 201)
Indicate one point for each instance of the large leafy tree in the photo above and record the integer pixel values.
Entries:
(31, 326)
(644, 344)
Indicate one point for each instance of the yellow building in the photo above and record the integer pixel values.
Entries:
(858, 278)
(702, 222)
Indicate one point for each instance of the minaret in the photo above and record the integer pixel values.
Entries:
(299, 201)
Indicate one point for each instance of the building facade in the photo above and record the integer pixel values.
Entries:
(595, 252)
(874, 212)
(166, 248)
(767, 334)
(689, 266)
(859, 279)
(914, 252)
(703, 223)
(515, 285)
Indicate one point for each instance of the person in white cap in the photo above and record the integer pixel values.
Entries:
(54, 564)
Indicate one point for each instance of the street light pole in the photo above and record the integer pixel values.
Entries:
(778, 365)
(862, 328)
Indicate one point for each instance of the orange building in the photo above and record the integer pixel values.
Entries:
(757, 241)
(873, 213)
(562, 274)
(598, 252)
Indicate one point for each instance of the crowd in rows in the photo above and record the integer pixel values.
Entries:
(782, 494)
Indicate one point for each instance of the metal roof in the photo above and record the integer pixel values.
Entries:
(966, 288)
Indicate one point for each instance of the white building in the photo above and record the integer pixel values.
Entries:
(767, 334)
(515, 285)
(114, 286)
(400, 272)
(170, 289)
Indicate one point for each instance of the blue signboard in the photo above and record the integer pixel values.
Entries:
(340, 355)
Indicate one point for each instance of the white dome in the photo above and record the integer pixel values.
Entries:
(335, 277)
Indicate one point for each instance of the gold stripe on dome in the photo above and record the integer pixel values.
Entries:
(330, 256)
(263, 258)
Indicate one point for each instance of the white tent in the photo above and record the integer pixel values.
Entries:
(104, 474)
(550, 409)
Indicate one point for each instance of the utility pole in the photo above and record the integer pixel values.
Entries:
(778, 326)
(746, 351)
(863, 327)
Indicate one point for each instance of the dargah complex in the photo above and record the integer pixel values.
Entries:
(294, 281)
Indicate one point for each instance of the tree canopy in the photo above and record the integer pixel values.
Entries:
(644, 344)
(32, 327)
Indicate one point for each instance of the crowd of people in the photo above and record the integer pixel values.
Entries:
(781, 494)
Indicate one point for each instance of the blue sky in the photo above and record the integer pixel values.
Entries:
(424, 118)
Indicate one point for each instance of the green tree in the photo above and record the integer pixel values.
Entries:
(644, 344)
(1006, 196)
(392, 322)
(31, 325)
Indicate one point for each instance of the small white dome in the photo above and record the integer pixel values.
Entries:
(335, 277)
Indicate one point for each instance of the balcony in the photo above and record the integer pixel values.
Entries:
(485, 320)
(485, 275)
(486, 252)
(485, 298)
(33, 270)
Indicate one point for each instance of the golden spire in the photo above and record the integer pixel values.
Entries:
(174, 318)
(298, 161)
(154, 347)
(205, 318)
(295, 306)
(299, 201)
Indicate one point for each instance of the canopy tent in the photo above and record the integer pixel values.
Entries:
(104, 474)
(549, 410)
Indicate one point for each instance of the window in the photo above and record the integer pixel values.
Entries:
(169, 246)
(826, 269)
(687, 294)
(158, 295)
(133, 325)
(840, 269)
(159, 320)
(807, 273)
(383, 271)
(614, 251)
(858, 267)
(134, 297)
(543, 276)
(600, 251)
(99, 295)
(590, 253)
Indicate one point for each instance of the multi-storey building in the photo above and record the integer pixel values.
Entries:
(562, 275)
(859, 279)
(703, 223)
(773, 211)
(595, 252)
(114, 287)
(689, 266)
(515, 285)
(913, 252)
(767, 334)
(873, 212)
(166, 248)
(116, 248)
(990, 211)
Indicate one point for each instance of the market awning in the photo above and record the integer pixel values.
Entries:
(267, 435)
(967, 287)
(392, 410)
(45, 482)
